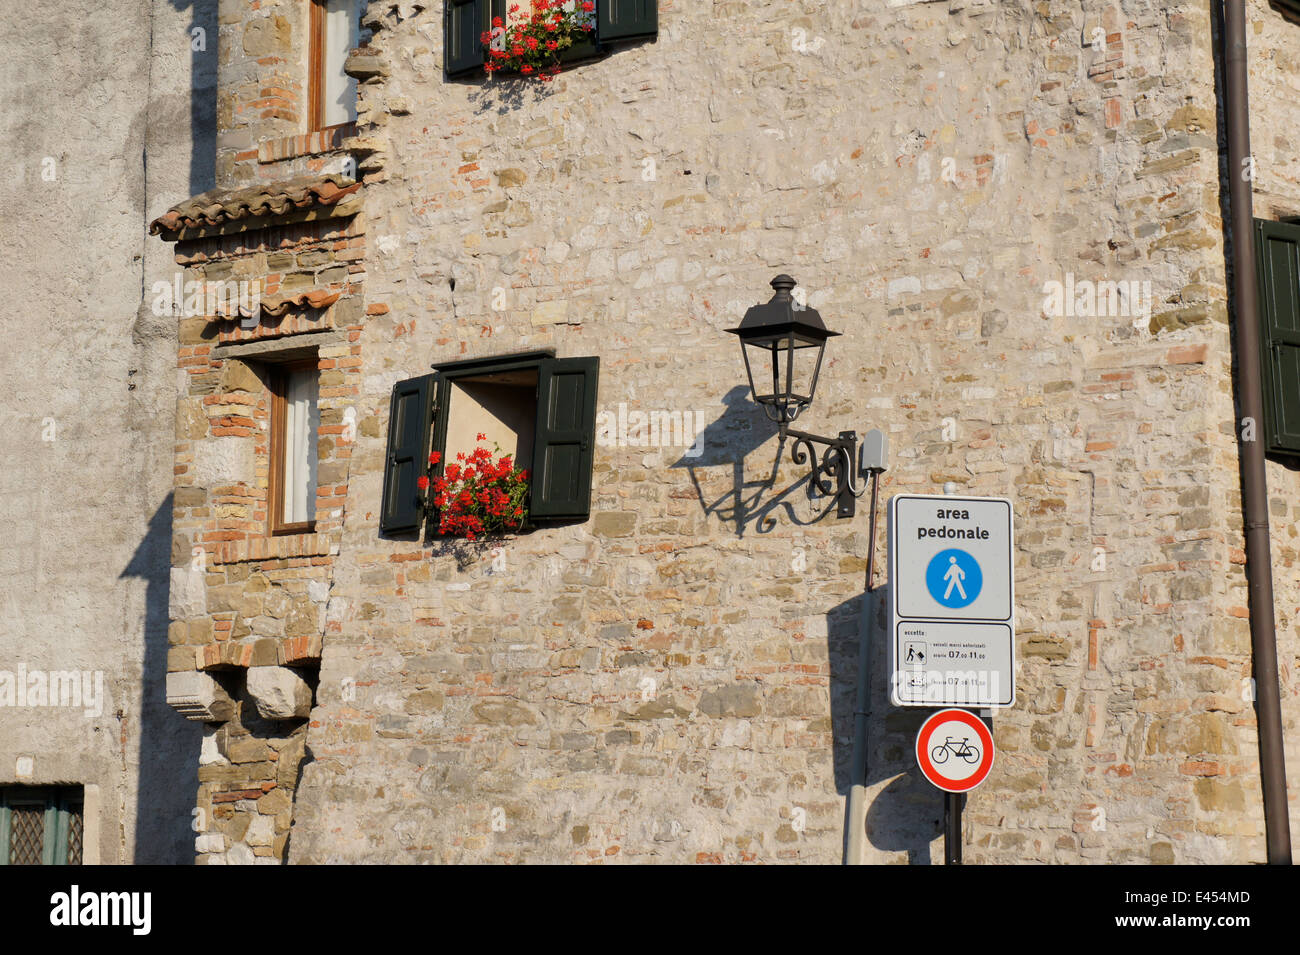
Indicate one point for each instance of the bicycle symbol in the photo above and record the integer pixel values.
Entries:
(959, 747)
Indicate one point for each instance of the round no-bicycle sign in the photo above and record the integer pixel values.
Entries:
(954, 750)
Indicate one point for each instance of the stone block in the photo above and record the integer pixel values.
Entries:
(279, 692)
(197, 696)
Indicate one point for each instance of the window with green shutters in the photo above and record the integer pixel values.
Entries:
(534, 406)
(1277, 254)
(465, 21)
(41, 825)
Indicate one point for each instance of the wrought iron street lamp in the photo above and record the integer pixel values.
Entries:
(783, 343)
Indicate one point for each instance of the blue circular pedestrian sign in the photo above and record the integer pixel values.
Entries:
(954, 578)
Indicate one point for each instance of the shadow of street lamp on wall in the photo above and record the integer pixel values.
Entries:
(782, 343)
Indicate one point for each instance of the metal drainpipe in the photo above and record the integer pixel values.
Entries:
(1254, 485)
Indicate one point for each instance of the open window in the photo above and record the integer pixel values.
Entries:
(465, 21)
(334, 30)
(538, 408)
(295, 420)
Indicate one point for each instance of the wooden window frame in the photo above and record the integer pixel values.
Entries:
(278, 386)
(316, 63)
(316, 70)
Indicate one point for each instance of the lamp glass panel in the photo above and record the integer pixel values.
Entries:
(765, 361)
(803, 378)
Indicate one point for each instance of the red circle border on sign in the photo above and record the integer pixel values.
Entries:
(923, 752)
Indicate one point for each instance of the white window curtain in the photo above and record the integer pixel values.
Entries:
(301, 421)
(338, 90)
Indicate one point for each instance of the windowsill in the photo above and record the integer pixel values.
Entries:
(272, 548)
(292, 530)
(326, 140)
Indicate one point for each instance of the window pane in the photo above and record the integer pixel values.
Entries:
(75, 831)
(338, 90)
(26, 834)
(301, 421)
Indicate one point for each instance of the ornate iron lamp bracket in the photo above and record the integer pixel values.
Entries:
(832, 472)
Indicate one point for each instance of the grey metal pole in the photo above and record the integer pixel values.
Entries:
(857, 808)
(952, 828)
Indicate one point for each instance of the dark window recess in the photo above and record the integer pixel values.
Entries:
(465, 21)
(1277, 251)
(534, 406)
(41, 825)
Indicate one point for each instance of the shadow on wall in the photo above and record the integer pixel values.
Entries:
(740, 431)
(201, 32)
(169, 745)
(907, 814)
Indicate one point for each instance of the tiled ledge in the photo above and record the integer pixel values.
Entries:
(272, 548)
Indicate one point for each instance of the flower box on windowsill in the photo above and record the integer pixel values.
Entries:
(578, 54)
(584, 52)
(482, 494)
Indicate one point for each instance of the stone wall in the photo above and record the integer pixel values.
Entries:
(108, 112)
(924, 171)
(673, 679)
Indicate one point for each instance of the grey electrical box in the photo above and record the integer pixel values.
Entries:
(875, 451)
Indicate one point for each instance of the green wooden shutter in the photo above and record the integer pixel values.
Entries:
(464, 22)
(409, 419)
(626, 19)
(1277, 252)
(564, 444)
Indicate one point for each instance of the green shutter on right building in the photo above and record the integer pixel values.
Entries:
(1277, 254)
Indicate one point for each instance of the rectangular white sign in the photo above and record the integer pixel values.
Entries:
(952, 601)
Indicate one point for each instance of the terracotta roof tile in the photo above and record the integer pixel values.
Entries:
(219, 206)
(317, 298)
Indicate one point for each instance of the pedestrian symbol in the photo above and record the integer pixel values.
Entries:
(953, 578)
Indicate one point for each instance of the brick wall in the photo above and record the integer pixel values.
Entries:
(243, 599)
